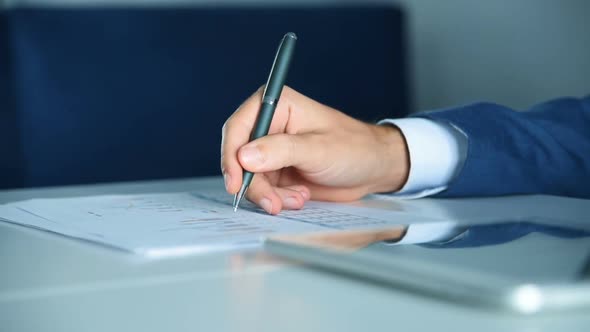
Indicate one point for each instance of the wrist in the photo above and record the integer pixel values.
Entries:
(393, 159)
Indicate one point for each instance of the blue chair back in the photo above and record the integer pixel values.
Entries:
(114, 94)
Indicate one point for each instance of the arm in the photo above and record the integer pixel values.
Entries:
(545, 150)
(316, 152)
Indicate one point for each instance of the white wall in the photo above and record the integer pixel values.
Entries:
(513, 52)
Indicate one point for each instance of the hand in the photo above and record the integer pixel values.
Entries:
(344, 241)
(312, 152)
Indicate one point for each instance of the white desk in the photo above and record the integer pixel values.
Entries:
(52, 283)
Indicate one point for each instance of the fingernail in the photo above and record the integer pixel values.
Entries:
(251, 155)
(266, 204)
(226, 179)
(291, 203)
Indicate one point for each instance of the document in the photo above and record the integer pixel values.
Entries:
(167, 224)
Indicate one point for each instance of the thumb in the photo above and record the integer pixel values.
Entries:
(273, 152)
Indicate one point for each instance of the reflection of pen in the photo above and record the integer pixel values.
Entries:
(270, 98)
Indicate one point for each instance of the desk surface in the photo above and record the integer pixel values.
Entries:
(52, 283)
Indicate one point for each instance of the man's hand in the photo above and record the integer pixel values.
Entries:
(312, 152)
(344, 241)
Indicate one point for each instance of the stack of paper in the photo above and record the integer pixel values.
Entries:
(180, 223)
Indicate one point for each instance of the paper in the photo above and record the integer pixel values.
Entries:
(180, 223)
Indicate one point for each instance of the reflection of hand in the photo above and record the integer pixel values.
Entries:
(345, 240)
(312, 151)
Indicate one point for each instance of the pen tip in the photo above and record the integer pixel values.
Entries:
(238, 197)
(236, 202)
(291, 35)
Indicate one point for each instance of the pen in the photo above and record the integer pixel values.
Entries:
(270, 99)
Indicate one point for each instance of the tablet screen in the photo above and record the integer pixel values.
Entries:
(490, 263)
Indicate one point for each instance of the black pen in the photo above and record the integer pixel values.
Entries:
(270, 99)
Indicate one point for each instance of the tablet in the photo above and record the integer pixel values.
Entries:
(521, 266)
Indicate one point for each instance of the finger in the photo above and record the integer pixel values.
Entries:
(262, 193)
(236, 133)
(300, 114)
(321, 192)
(303, 190)
(274, 152)
(295, 113)
(292, 199)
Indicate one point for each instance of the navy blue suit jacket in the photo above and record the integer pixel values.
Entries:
(544, 150)
(499, 233)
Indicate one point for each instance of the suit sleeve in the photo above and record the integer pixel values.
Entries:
(494, 234)
(544, 150)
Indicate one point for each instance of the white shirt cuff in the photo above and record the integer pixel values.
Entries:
(432, 232)
(437, 152)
